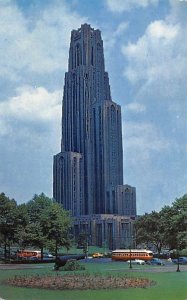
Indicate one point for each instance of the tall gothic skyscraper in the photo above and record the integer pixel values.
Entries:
(88, 172)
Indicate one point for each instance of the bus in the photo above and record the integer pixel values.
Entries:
(27, 254)
(132, 254)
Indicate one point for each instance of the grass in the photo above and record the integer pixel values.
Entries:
(169, 286)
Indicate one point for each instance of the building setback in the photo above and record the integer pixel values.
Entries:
(88, 172)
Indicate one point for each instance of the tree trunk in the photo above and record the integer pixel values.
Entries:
(5, 248)
(42, 253)
(9, 251)
(56, 249)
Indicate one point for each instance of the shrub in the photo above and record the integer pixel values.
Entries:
(72, 265)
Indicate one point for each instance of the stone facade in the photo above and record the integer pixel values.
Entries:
(106, 230)
(126, 200)
(88, 172)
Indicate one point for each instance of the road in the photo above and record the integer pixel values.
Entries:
(168, 267)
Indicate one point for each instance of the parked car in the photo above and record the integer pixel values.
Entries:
(182, 260)
(48, 257)
(97, 255)
(137, 261)
(33, 258)
(155, 261)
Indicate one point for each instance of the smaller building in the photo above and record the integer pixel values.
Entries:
(106, 230)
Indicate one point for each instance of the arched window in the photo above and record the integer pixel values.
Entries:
(78, 55)
(99, 53)
(113, 114)
(92, 58)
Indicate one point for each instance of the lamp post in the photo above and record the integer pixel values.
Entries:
(178, 266)
(130, 265)
(130, 248)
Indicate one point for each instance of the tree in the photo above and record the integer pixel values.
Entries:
(167, 216)
(22, 222)
(57, 227)
(35, 231)
(165, 228)
(48, 225)
(82, 241)
(8, 222)
(149, 229)
(179, 223)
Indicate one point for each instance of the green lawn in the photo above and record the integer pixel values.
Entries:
(169, 286)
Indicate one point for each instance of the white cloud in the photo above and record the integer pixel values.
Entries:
(158, 59)
(162, 30)
(156, 54)
(154, 150)
(32, 44)
(30, 105)
(142, 140)
(156, 64)
(110, 38)
(121, 28)
(121, 5)
(152, 163)
(4, 128)
(135, 107)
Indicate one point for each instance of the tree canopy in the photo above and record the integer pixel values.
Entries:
(41, 223)
(8, 222)
(166, 228)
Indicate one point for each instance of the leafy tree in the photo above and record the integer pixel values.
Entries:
(82, 241)
(149, 229)
(179, 223)
(82, 238)
(57, 227)
(165, 228)
(8, 222)
(35, 231)
(167, 216)
(22, 223)
(48, 225)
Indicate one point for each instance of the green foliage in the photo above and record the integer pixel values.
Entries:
(34, 233)
(165, 228)
(41, 223)
(57, 227)
(149, 229)
(72, 265)
(82, 241)
(9, 222)
(183, 252)
(49, 224)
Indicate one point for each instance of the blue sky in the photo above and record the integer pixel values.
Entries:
(145, 43)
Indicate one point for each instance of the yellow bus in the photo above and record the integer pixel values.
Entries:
(132, 254)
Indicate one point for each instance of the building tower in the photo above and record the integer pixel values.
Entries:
(88, 172)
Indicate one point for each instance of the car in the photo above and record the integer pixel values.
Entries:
(48, 258)
(97, 255)
(48, 255)
(155, 261)
(137, 261)
(33, 258)
(182, 260)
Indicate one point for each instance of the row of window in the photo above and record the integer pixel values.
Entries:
(132, 254)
